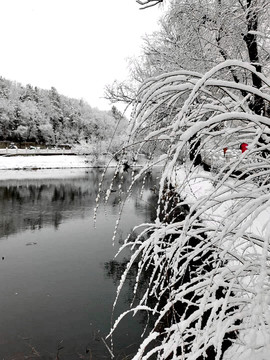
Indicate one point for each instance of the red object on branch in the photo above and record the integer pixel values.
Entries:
(225, 150)
(243, 147)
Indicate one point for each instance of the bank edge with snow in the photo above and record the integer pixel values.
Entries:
(51, 162)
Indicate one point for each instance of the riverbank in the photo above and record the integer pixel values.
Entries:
(17, 167)
(52, 162)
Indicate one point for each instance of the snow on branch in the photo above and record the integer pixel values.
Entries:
(207, 255)
(148, 3)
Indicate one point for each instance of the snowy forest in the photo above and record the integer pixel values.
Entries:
(200, 92)
(32, 115)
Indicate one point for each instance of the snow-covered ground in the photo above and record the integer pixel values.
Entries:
(43, 162)
(200, 186)
(15, 167)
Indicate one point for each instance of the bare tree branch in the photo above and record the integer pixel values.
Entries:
(119, 92)
(145, 3)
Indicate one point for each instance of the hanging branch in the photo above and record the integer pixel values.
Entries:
(207, 265)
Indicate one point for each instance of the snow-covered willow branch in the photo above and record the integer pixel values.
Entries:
(207, 254)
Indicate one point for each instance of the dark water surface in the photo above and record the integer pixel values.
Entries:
(57, 277)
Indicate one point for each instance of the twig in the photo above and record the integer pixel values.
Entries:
(145, 2)
(107, 347)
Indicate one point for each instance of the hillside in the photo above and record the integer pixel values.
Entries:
(32, 115)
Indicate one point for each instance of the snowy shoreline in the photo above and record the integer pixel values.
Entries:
(45, 162)
(18, 167)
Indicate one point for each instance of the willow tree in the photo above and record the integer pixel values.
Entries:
(207, 253)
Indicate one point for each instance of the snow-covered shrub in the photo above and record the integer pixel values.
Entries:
(207, 253)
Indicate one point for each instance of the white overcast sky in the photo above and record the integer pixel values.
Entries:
(77, 46)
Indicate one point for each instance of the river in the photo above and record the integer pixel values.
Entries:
(58, 275)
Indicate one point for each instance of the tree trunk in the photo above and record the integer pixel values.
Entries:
(252, 46)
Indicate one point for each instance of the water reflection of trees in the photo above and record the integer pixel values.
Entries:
(33, 204)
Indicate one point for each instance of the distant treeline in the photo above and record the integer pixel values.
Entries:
(31, 114)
